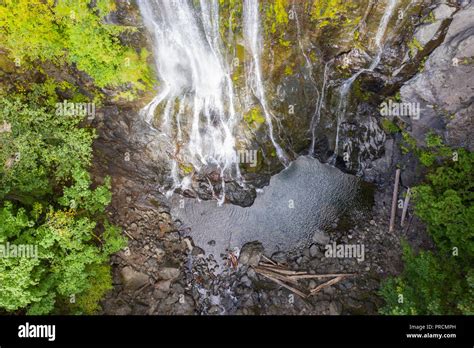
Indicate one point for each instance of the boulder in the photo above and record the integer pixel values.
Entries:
(169, 273)
(251, 253)
(320, 237)
(133, 280)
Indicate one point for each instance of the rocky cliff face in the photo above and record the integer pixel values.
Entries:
(309, 54)
(444, 88)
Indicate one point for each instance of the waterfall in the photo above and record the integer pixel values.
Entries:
(253, 41)
(320, 95)
(317, 113)
(195, 109)
(196, 89)
(346, 85)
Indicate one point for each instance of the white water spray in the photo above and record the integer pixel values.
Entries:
(253, 41)
(195, 80)
(194, 110)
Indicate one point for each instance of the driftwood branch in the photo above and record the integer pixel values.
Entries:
(394, 201)
(325, 285)
(129, 235)
(281, 276)
(405, 207)
(275, 275)
(281, 270)
(296, 291)
(269, 260)
(318, 276)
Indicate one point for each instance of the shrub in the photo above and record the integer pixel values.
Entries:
(440, 281)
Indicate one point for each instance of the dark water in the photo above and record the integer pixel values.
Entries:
(306, 197)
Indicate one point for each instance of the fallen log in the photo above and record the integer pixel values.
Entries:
(405, 207)
(275, 275)
(283, 271)
(283, 276)
(292, 289)
(269, 260)
(325, 285)
(318, 276)
(394, 201)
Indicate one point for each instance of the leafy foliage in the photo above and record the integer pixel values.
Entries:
(72, 32)
(440, 281)
(39, 151)
(47, 202)
(67, 263)
(52, 50)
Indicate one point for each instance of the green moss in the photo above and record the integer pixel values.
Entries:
(186, 168)
(397, 97)
(427, 155)
(430, 18)
(254, 117)
(356, 35)
(276, 14)
(279, 7)
(467, 61)
(421, 67)
(284, 43)
(359, 93)
(409, 143)
(231, 11)
(426, 158)
(389, 127)
(414, 46)
(333, 12)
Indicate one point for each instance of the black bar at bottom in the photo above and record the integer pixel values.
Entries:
(419, 330)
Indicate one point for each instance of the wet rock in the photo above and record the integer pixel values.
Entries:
(238, 195)
(320, 237)
(163, 285)
(314, 251)
(159, 253)
(279, 257)
(133, 280)
(185, 306)
(214, 310)
(251, 253)
(197, 251)
(335, 308)
(169, 273)
(251, 273)
(123, 310)
(246, 281)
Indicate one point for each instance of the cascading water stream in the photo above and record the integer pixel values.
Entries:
(346, 86)
(195, 81)
(253, 41)
(320, 95)
(317, 113)
(197, 100)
